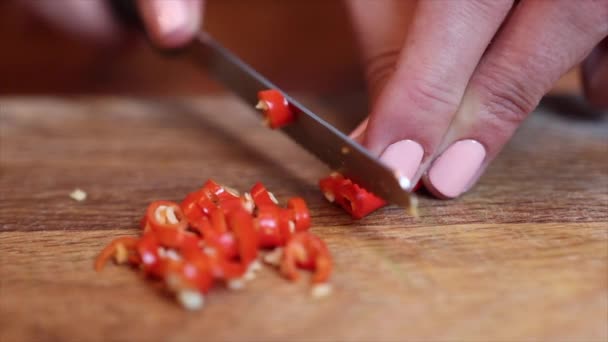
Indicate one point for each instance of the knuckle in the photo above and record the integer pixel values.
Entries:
(505, 95)
(490, 8)
(433, 96)
(381, 65)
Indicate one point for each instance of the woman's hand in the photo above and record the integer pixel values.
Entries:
(451, 82)
(169, 23)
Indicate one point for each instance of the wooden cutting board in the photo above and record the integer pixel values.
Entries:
(524, 256)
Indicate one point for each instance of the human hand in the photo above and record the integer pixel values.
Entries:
(169, 23)
(450, 86)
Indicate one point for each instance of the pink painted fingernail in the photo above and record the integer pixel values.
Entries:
(172, 16)
(404, 156)
(452, 172)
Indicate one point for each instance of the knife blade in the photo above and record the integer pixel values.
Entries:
(320, 138)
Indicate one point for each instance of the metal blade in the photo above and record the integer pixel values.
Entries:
(317, 136)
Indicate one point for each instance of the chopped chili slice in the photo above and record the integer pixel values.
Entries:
(301, 215)
(194, 273)
(147, 248)
(223, 243)
(229, 205)
(165, 215)
(218, 221)
(213, 195)
(206, 204)
(112, 250)
(212, 188)
(241, 223)
(176, 238)
(275, 107)
(357, 201)
(268, 223)
(226, 269)
(261, 196)
(219, 266)
(190, 207)
(307, 251)
(287, 226)
(219, 192)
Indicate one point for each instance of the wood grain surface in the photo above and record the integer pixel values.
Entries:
(524, 256)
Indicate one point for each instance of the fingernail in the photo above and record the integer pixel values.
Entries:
(172, 16)
(452, 172)
(404, 156)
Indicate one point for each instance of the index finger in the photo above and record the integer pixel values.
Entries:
(414, 109)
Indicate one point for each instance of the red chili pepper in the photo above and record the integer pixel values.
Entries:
(241, 223)
(111, 250)
(229, 205)
(287, 226)
(219, 266)
(192, 273)
(268, 223)
(218, 221)
(224, 197)
(305, 250)
(301, 215)
(275, 107)
(213, 234)
(224, 243)
(166, 215)
(147, 248)
(212, 187)
(219, 192)
(176, 238)
(227, 244)
(357, 201)
(206, 204)
(207, 197)
(190, 206)
(261, 196)
(222, 268)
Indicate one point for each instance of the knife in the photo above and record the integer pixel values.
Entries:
(327, 143)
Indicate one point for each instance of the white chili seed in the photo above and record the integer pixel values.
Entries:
(121, 255)
(191, 299)
(274, 257)
(236, 284)
(273, 198)
(292, 227)
(78, 195)
(321, 290)
(170, 215)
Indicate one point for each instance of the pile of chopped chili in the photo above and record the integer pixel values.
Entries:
(217, 235)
